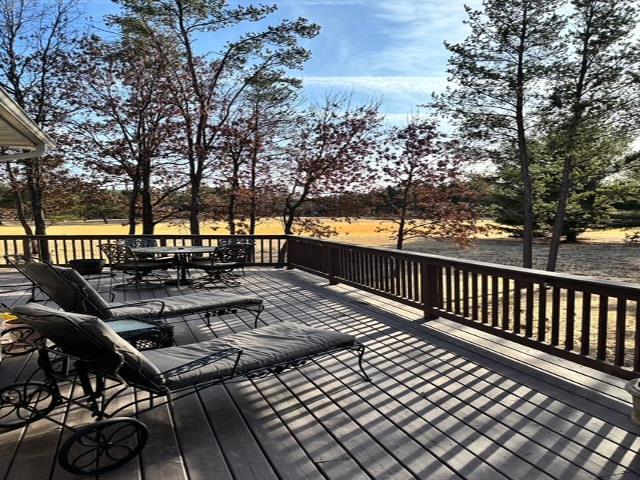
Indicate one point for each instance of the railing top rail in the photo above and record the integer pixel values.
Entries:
(520, 273)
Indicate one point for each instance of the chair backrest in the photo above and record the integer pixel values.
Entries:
(117, 252)
(248, 243)
(64, 286)
(93, 341)
(140, 242)
(236, 241)
(235, 253)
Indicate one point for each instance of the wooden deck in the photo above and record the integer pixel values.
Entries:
(445, 402)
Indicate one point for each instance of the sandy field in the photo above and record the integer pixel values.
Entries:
(599, 254)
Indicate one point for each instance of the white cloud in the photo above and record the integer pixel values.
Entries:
(416, 31)
(323, 2)
(381, 85)
(403, 118)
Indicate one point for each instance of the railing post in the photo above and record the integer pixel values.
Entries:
(43, 247)
(26, 247)
(287, 250)
(334, 266)
(431, 292)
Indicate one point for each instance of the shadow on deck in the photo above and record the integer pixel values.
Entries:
(445, 402)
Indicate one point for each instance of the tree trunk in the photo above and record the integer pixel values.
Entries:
(21, 215)
(133, 199)
(529, 221)
(148, 224)
(523, 153)
(18, 202)
(289, 217)
(572, 134)
(561, 210)
(194, 207)
(34, 182)
(571, 236)
(403, 210)
(231, 213)
(253, 200)
(233, 196)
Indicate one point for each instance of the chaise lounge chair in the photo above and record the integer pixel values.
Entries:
(73, 293)
(103, 367)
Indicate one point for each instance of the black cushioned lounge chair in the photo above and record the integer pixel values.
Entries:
(90, 356)
(73, 293)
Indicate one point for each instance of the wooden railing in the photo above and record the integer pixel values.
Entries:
(269, 250)
(591, 322)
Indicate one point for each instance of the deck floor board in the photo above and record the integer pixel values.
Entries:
(445, 401)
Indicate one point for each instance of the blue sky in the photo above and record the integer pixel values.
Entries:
(389, 49)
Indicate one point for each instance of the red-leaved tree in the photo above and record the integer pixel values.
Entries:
(329, 152)
(427, 195)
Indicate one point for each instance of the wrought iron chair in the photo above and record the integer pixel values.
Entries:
(219, 266)
(122, 259)
(145, 243)
(102, 367)
(250, 246)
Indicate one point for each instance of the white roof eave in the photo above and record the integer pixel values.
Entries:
(18, 131)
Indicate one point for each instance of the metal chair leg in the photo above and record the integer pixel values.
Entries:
(359, 349)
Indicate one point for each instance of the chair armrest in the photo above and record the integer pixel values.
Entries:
(112, 296)
(204, 361)
(145, 302)
(16, 287)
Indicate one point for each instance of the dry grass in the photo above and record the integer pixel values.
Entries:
(599, 254)
(363, 231)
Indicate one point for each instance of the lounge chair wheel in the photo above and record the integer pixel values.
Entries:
(103, 446)
(19, 340)
(23, 403)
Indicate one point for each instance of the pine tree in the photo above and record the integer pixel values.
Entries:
(498, 72)
(594, 91)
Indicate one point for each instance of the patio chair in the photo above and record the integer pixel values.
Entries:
(73, 293)
(122, 259)
(219, 266)
(250, 246)
(145, 243)
(102, 367)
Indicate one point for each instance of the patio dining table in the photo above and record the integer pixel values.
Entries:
(182, 256)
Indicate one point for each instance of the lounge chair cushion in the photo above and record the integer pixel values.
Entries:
(184, 305)
(261, 347)
(89, 337)
(71, 299)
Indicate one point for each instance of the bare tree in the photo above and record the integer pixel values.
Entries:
(427, 195)
(37, 42)
(209, 84)
(125, 126)
(328, 152)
